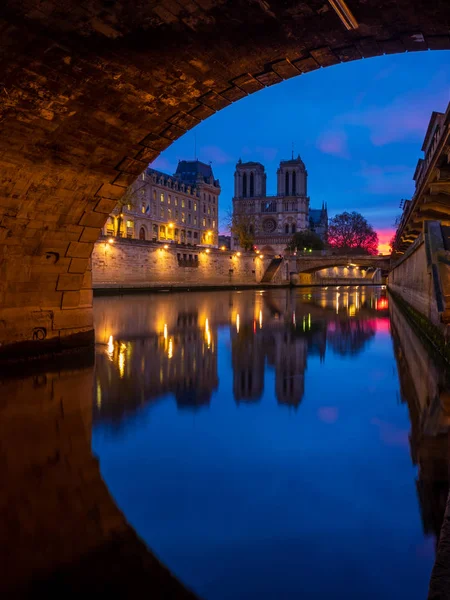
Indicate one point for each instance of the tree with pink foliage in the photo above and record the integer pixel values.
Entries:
(351, 233)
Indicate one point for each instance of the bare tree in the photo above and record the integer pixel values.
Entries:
(242, 226)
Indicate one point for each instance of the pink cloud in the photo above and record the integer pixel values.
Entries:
(328, 414)
(334, 142)
(391, 435)
(215, 154)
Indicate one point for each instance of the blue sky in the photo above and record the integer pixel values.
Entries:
(358, 126)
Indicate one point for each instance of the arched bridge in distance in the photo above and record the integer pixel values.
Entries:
(306, 264)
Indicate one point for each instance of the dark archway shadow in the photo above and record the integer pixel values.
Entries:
(60, 530)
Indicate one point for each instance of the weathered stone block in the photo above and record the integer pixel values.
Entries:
(80, 249)
(93, 219)
(70, 281)
(73, 318)
(90, 234)
(70, 299)
(78, 265)
(104, 205)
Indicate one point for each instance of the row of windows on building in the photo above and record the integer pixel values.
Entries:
(162, 198)
(183, 218)
(161, 232)
(145, 209)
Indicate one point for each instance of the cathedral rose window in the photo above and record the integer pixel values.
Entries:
(269, 225)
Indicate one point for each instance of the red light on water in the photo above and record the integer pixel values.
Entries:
(382, 304)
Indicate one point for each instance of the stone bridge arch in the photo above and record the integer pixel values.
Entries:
(313, 264)
(91, 94)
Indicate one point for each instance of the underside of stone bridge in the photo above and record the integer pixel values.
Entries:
(91, 92)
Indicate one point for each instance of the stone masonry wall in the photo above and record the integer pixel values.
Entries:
(412, 280)
(134, 263)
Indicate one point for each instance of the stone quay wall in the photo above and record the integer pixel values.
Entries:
(412, 280)
(140, 264)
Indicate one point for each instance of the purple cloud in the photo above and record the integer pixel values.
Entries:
(405, 118)
(334, 142)
(215, 154)
(387, 179)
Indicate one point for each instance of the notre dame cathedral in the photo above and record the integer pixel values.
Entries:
(274, 219)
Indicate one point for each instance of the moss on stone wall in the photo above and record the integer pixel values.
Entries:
(427, 332)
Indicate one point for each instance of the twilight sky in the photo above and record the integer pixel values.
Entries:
(358, 127)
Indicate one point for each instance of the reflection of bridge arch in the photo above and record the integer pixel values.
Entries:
(61, 531)
(104, 97)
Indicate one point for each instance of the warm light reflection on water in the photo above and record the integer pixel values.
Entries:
(255, 439)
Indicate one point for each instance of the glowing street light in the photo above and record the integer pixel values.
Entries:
(207, 250)
(238, 253)
(110, 241)
(166, 246)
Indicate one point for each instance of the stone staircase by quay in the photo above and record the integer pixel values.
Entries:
(271, 271)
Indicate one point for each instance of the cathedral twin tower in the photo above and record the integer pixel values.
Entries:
(250, 179)
(275, 218)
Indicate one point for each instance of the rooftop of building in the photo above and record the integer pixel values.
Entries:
(435, 119)
(192, 171)
(317, 214)
(189, 172)
(249, 163)
(292, 161)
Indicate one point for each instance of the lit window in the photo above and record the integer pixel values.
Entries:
(169, 213)
(169, 199)
(129, 223)
(209, 210)
(195, 205)
(176, 200)
(195, 220)
(214, 223)
(204, 222)
(143, 208)
(162, 213)
(162, 197)
(183, 217)
(182, 203)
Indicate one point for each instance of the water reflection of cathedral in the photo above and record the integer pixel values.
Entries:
(168, 346)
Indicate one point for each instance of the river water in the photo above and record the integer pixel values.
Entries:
(274, 444)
